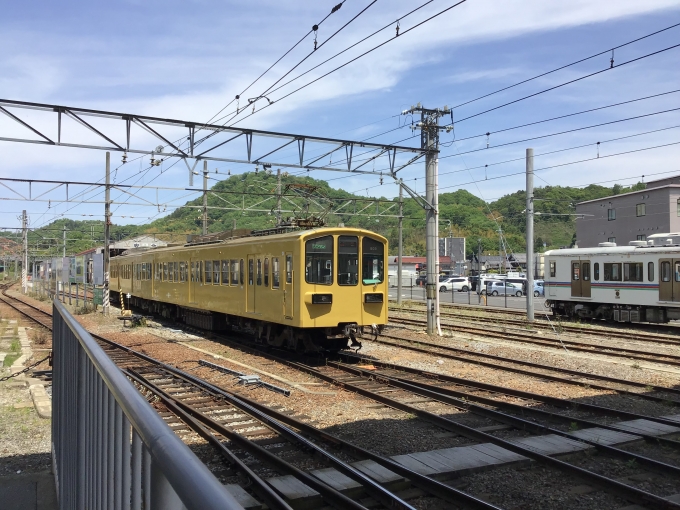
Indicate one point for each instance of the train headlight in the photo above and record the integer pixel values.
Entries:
(373, 298)
(322, 299)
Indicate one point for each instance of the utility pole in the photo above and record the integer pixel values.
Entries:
(205, 197)
(429, 139)
(107, 235)
(530, 234)
(501, 259)
(278, 197)
(24, 261)
(401, 241)
(64, 253)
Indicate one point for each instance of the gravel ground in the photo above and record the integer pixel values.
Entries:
(24, 437)
(376, 427)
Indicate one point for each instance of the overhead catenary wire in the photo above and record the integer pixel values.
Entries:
(566, 65)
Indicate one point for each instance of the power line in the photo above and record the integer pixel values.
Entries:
(567, 65)
(567, 83)
(563, 164)
(563, 132)
(355, 58)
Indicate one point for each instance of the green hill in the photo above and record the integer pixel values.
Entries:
(248, 201)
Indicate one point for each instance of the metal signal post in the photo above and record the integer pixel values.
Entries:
(107, 235)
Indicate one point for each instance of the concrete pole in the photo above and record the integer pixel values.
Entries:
(431, 239)
(64, 252)
(107, 236)
(401, 242)
(278, 197)
(24, 261)
(530, 234)
(205, 198)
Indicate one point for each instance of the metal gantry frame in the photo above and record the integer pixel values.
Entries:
(187, 146)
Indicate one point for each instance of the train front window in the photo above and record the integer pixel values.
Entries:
(348, 260)
(319, 260)
(373, 260)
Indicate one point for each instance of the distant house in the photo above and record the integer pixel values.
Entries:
(415, 264)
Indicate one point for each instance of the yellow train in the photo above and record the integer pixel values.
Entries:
(305, 290)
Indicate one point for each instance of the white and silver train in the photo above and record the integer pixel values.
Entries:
(635, 283)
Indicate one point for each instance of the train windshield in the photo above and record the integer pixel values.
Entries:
(372, 268)
(348, 260)
(319, 260)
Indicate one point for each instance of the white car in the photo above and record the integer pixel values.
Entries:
(459, 283)
(496, 287)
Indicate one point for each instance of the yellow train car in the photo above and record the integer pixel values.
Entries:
(304, 290)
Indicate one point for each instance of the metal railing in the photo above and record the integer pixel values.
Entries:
(111, 449)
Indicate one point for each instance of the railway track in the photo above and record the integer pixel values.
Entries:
(242, 430)
(544, 372)
(559, 343)
(656, 332)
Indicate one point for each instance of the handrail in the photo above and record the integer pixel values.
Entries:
(190, 479)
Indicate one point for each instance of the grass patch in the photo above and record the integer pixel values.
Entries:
(11, 358)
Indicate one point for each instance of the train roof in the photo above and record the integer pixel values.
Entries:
(612, 250)
(297, 234)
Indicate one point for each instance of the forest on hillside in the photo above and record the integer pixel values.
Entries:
(248, 201)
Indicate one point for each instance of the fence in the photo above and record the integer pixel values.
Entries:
(506, 296)
(110, 447)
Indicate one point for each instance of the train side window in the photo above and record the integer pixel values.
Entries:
(216, 272)
(259, 271)
(585, 270)
(251, 270)
(225, 272)
(596, 271)
(234, 272)
(632, 272)
(193, 271)
(348, 260)
(182, 272)
(289, 269)
(165, 271)
(199, 271)
(665, 271)
(208, 271)
(241, 269)
(677, 271)
(319, 260)
(612, 272)
(176, 264)
(650, 271)
(266, 272)
(575, 271)
(553, 268)
(275, 273)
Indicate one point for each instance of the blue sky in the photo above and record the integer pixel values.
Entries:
(187, 60)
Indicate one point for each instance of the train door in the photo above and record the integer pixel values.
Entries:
(669, 280)
(288, 300)
(250, 285)
(575, 278)
(585, 278)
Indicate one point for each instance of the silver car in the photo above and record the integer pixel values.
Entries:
(494, 288)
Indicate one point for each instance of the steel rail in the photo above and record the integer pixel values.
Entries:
(329, 494)
(463, 356)
(260, 487)
(618, 352)
(647, 328)
(615, 487)
(661, 339)
(471, 395)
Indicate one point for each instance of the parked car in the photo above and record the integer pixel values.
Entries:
(459, 283)
(538, 288)
(494, 288)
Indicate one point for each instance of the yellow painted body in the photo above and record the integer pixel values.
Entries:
(145, 276)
